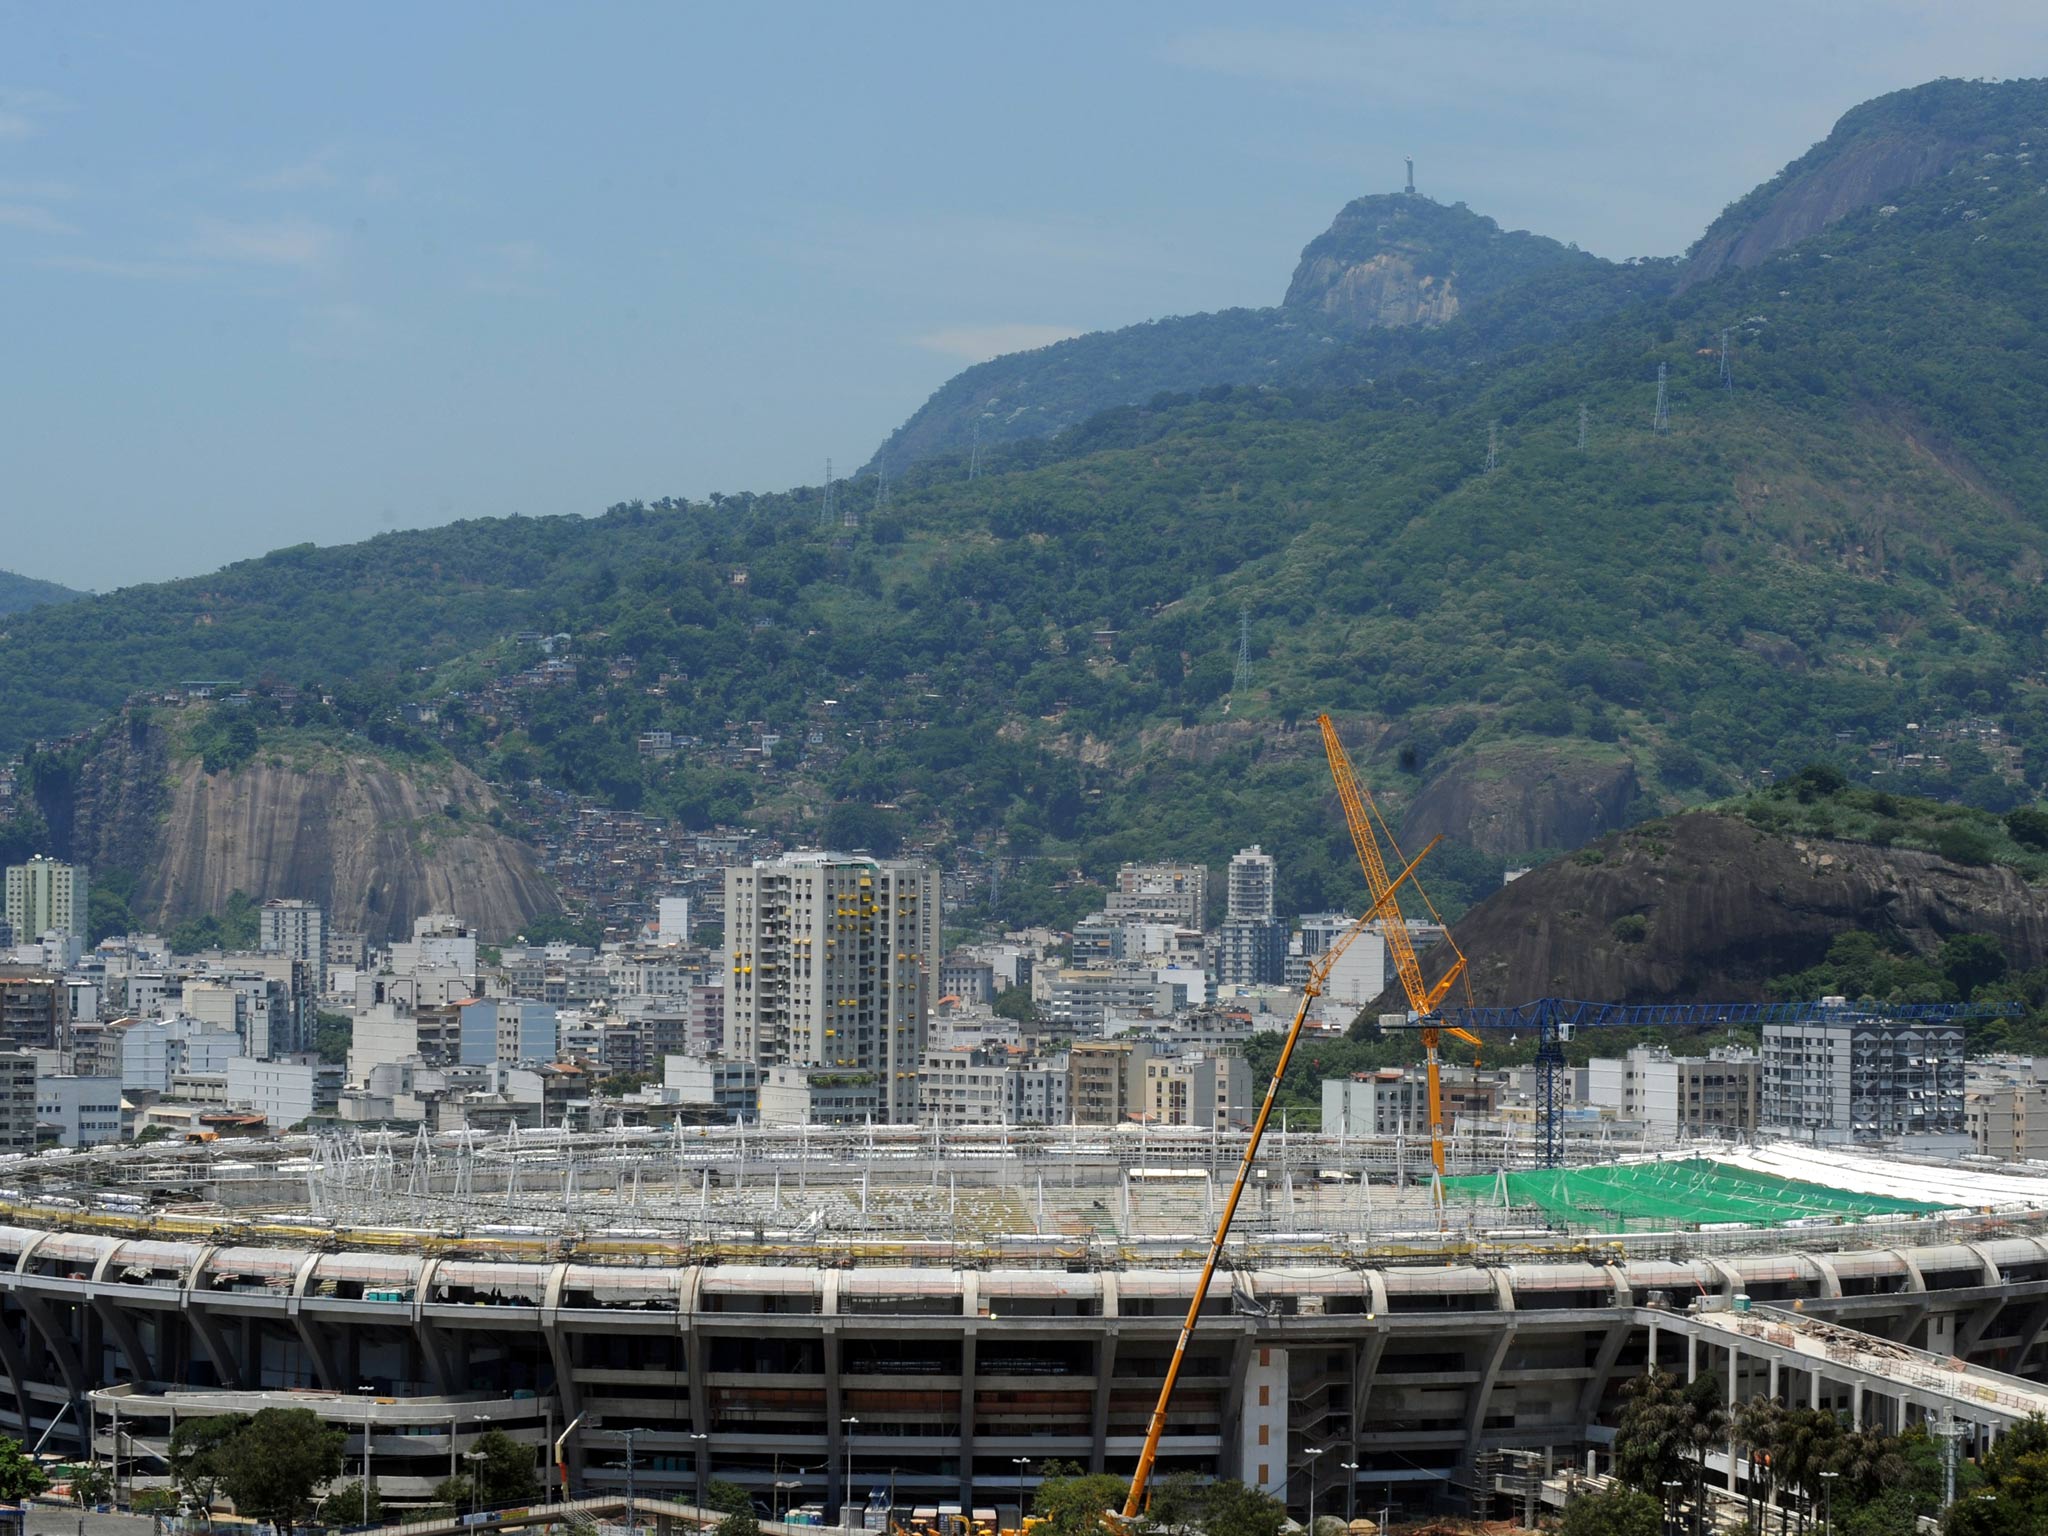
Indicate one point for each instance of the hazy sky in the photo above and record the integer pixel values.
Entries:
(277, 273)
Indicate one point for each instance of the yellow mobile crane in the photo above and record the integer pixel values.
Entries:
(1362, 816)
(1383, 905)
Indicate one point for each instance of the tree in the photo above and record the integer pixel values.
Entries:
(90, 1485)
(1015, 1003)
(729, 1497)
(344, 1505)
(272, 1464)
(741, 1522)
(2016, 1478)
(20, 1478)
(1175, 1503)
(500, 1475)
(1072, 1504)
(196, 1458)
(1229, 1508)
(1615, 1511)
(1666, 1431)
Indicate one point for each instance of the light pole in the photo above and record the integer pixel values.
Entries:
(1671, 1487)
(1020, 1463)
(1827, 1495)
(1312, 1453)
(367, 1396)
(632, 1510)
(1350, 1491)
(848, 1424)
(696, 1439)
(475, 1493)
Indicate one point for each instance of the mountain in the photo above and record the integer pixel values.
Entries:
(1386, 264)
(1882, 148)
(20, 593)
(1539, 613)
(184, 807)
(1718, 906)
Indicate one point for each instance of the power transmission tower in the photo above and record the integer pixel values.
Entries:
(1241, 680)
(1492, 446)
(1727, 376)
(881, 486)
(974, 456)
(1582, 429)
(1411, 175)
(1662, 423)
(825, 517)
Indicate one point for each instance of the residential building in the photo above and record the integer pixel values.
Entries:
(795, 1093)
(1361, 972)
(283, 1092)
(1851, 1076)
(1252, 952)
(730, 1088)
(297, 929)
(834, 962)
(85, 1111)
(1195, 1089)
(967, 977)
(1715, 1094)
(1038, 1092)
(17, 1102)
(1394, 1101)
(1249, 897)
(1176, 894)
(2005, 1106)
(1103, 1079)
(964, 1086)
(45, 895)
(35, 1010)
(511, 1030)
(1081, 998)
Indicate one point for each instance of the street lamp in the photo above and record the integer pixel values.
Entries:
(1827, 1493)
(475, 1493)
(1312, 1453)
(1671, 1487)
(368, 1394)
(696, 1439)
(632, 1510)
(1020, 1463)
(1350, 1491)
(849, 1424)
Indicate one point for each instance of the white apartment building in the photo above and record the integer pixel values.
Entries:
(1174, 894)
(85, 1110)
(45, 895)
(1860, 1077)
(964, 1086)
(1249, 897)
(283, 1092)
(1193, 1089)
(297, 929)
(1715, 1094)
(834, 965)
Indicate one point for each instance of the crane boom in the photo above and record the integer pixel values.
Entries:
(1361, 815)
(1318, 976)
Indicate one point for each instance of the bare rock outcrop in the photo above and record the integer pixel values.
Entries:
(1724, 906)
(374, 841)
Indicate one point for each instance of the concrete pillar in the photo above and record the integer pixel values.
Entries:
(1855, 1404)
(1692, 1357)
(1653, 1343)
(1771, 1390)
(1813, 1397)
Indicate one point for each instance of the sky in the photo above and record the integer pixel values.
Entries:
(277, 274)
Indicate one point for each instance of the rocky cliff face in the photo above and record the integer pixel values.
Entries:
(375, 843)
(1726, 907)
(1404, 260)
(1877, 151)
(1512, 800)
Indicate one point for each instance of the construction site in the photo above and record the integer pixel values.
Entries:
(855, 1323)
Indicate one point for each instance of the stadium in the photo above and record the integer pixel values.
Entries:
(806, 1312)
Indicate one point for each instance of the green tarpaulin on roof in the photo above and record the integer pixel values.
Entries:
(1692, 1192)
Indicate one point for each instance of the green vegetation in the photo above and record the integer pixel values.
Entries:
(271, 1462)
(1038, 662)
(1614, 1511)
(2015, 1474)
(20, 593)
(500, 1475)
(236, 926)
(20, 1477)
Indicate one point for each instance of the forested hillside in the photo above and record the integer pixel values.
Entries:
(18, 593)
(1836, 550)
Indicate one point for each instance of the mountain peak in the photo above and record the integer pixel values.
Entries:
(1878, 150)
(1395, 259)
